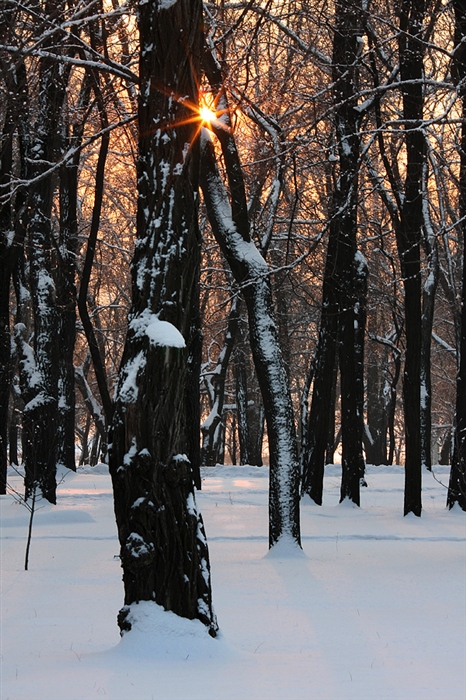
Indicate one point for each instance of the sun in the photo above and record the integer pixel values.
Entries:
(207, 115)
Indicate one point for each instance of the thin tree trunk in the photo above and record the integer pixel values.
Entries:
(66, 284)
(409, 233)
(457, 483)
(319, 418)
(212, 428)
(231, 229)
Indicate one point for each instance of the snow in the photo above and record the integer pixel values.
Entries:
(374, 608)
(159, 332)
(165, 4)
(127, 389)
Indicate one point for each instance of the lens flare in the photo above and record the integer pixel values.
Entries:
(206, 114)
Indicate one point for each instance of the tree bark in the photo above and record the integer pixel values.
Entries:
(319, 419)
(212, 428)
(11, 234)
(164, 553)
(344, 291)
(351, 264)
(408, 233)
(41, 413)
(231, 229)
(66, 282)
(457, 484)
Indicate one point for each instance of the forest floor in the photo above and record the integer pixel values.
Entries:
(374, 609)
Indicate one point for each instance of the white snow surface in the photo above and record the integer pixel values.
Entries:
(165, 334)
(374, 608)
(159, 332)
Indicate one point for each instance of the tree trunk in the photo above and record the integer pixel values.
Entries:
(164, 553)
(241, 378)
(319, 419)
(41, 413)
(231, 229)
(351, 264)
(409, 234)
(344, 283)
(66, 283)
(212, 429)
(6, 255)
(457, 483)
(11, 233)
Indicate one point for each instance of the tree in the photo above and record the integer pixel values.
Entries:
(229, 218)
(457, 483)
(163, 548)
(344, 290)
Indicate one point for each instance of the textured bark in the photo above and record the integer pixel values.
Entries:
(351, 264)
(213, 429)
(11, 234)
(241, 390)
(231, 229)
(319, 418)
(66, 283)
(408, 234)
(457, 483)
(193, 390)
(344, 290)
(427, 323)
(41, 413)
(164, 553)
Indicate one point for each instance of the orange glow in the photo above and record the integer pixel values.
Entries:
(206, 114)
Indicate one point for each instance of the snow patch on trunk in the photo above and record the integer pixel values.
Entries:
(159, 332)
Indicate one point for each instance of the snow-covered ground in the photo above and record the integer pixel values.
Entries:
(374, 609)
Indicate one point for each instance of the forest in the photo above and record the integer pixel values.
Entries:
(230, 233)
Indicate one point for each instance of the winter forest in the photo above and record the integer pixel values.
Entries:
(232, 233)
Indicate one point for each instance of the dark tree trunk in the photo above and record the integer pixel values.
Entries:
(345, 281)
(66, 299)
(249, 409)
(333, 436)
(427, 322)
(11, 234)
(213, 429)
(94, 349)
(256, 426)
(351, 264)
(66, 285)
(164, 553)
(241, 378)
(193, 391)
(457, 483)
(377, 403)
(41, 413)
(6, 255)
(320, 414)
(409, 232)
